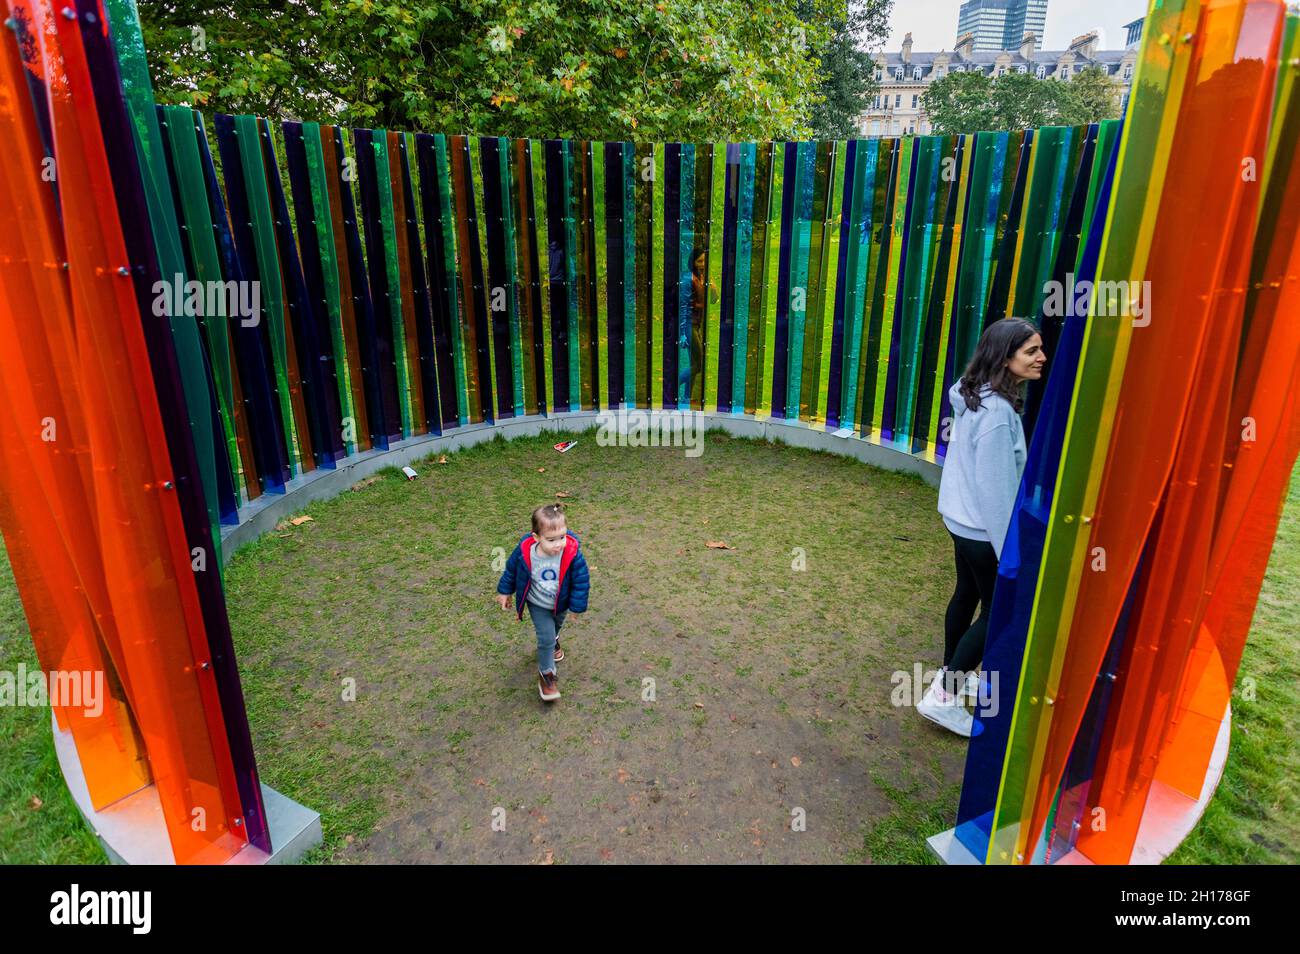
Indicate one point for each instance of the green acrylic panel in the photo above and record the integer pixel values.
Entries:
(807, 371)
(800, 295)
(829, 283)
(588, 279)
(442, 160)
(910, 310)
(628, 255)
(155, 179)
(685, 252)
(517, 345)
(268, 267)
(715, 229)
(939, 401)
(537, 160)
(855, 264)
(1041, 231)
(571, 268)
(597, 190)
(658, 244)
(182, 127)
(644, 183)
(874, 289)
(743, 258)
(771, 267)
(890, 276)
(393, 306)
(474, 172)
(329, 267)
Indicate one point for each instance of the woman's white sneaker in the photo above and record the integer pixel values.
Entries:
(945, 710)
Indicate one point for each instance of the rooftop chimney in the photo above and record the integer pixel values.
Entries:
(1085, 45)
(907, 48)
(1028, 45)
(965, 45)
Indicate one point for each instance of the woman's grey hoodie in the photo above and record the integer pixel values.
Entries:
(981, 472)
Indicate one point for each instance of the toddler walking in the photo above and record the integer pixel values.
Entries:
(547, 573)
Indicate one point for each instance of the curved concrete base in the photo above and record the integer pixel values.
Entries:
(266, 511)
(132, 832)
(1168, 817)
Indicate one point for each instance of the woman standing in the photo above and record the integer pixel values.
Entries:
(981, 474)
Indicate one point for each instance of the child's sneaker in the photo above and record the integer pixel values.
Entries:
(559, 653)
(945, 709)
(548, 687)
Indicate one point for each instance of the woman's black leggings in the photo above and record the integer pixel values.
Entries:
(977, 571)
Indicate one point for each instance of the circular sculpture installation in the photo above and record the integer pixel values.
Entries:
(194, 352)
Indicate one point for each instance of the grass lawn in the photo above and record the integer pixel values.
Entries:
(770, 666)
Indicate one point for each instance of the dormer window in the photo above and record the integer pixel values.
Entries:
(1128, 71)
(898, 75)
(879, 74)
(1042, 72)
(916, 73)
(1022, 68)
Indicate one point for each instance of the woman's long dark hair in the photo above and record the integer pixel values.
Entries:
(988, 366)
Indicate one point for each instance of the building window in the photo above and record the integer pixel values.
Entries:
(1042, 72)
(1128, 71)
(915, 100)
(1002, 71)
(898, 75)
(1022, 68)
(898, 100)
(875, 127)
(1065, 72)
(916, 73)
(878, 74)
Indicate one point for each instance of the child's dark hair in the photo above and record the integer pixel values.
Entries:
(547, 516)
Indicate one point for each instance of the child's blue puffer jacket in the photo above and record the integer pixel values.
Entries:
(574, 584)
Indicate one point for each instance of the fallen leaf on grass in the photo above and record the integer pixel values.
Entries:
(717, 545)
(623, 776)
(442, 459)
(561, 493)
(699, 705)
(796, 761)
(299, 521)
(34, 803)
(541, 470)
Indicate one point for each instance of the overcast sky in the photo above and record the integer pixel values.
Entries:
(933, 23)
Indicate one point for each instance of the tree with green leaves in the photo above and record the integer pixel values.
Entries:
(974, 102)
(847, 67)
(597, 69)
(1097, 95)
